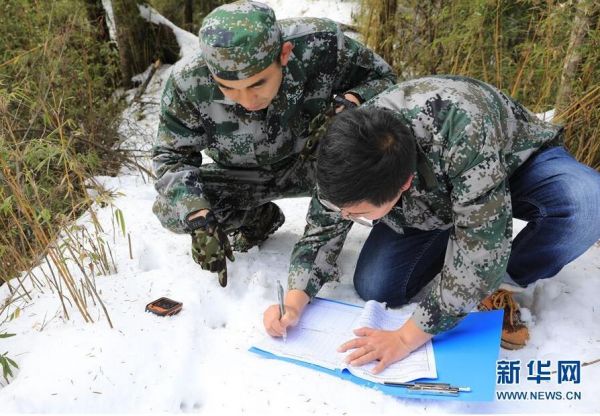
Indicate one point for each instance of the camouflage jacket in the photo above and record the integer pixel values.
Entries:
(195, 115)
(471, 138)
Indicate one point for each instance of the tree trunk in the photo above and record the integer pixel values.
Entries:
(188, 15)
(573, 58)
(140, 42)
(206, 6)
(133, 47)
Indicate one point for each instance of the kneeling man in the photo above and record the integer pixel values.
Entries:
(440, 166)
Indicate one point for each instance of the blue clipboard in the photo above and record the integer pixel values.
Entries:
(465, 356)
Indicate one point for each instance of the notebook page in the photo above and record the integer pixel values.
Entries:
(323, 327)
(419, 364)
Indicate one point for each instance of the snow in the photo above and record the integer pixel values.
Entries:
(197, 361)
(187, 41)
(110, 19)
(547, 116)
(340, 11)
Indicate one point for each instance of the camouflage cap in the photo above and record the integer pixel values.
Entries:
(240, 39)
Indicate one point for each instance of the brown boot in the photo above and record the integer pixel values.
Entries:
(514, 332)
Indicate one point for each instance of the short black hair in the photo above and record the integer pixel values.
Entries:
(366, 155)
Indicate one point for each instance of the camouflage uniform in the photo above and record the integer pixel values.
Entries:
(470, 139)
(256, 154)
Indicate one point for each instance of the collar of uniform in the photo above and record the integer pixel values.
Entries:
(414, 187)
(425, 170)
(424, 174)
(290, 92)
(424, 179)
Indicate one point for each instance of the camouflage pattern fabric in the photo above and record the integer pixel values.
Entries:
(265, 220)
(237, 195)
(471, 138)
(210, 246)
(240, 39)
(256, 154)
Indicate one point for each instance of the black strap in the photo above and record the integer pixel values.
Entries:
(207, 223)
(341, 100)
(425, 170)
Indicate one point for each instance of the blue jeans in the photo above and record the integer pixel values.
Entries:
(558, 197)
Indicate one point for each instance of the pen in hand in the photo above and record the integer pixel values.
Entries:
(281, 306)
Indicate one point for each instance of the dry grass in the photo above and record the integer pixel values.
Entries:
(57, 128)
(520, 47)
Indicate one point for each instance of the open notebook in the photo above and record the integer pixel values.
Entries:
(465, 356)
(326, 325)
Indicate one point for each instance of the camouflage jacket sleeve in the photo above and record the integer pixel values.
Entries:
(314, 258)
(177, 153)
(479, 246)
(361, 71)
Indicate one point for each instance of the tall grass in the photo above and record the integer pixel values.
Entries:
(57, 129)
(174, 11)
(518, 46)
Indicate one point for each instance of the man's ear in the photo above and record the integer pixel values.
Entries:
(407, 184)
(286, 51)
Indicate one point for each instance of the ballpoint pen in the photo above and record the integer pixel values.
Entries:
(431, 388)
(281, 306)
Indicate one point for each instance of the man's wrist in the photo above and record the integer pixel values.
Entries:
(411, 336)
(355, 98)
(202, 219)
(197, 214)
(297, 299)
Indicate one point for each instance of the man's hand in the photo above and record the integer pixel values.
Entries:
(353, 98)
(198, 214)
(210, 246)
(350, 97)
(387, 347)
(277, 325)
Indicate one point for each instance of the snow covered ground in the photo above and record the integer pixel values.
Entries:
(197, 361)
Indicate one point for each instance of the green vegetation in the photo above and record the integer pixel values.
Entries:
(57, 128)
(6, 362)
(519, 46)
(57, 122)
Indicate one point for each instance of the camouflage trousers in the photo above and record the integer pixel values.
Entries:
(237, 194)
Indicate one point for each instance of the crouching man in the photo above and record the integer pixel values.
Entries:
(253, 99)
